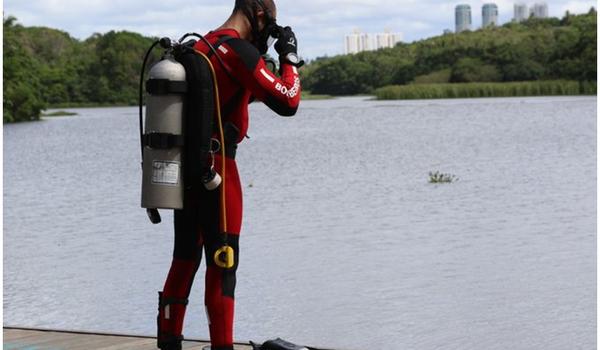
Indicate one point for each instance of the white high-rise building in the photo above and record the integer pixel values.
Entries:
(521, 12)
(489, 15)
(355, 42)
(366, 41)
(359, 42)
(462, 18)
(387, 40)
(539, 10)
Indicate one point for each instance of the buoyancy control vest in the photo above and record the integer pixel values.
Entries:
(176, 138)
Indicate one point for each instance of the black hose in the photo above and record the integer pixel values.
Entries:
(141, 95)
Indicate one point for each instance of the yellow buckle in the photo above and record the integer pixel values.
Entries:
(224, 257)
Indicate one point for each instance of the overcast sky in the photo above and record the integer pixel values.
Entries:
(320, 24)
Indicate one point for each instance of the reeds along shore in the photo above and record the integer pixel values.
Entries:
(472, 90)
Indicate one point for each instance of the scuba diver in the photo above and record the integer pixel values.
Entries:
(242, 76)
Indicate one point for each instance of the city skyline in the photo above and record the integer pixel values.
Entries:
(320, 26)
(359, 41)
(490, 11)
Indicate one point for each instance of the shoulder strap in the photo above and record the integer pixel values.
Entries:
(230, 105)
(223, 39)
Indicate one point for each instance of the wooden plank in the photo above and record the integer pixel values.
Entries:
(16, 334)
(199, 346)
(139, 344)
(79, 341)
(42, 340)
(32, 339)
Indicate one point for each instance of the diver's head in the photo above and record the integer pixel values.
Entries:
(262, 18)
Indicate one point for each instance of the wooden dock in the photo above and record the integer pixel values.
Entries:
(41, 339)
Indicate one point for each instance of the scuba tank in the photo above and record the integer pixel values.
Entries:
(163, 139)
(176, 135)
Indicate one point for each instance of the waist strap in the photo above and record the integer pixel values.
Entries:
(231, 150)
(231, 133)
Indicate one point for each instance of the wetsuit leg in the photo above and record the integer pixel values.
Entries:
(220, 283)
(187, 255)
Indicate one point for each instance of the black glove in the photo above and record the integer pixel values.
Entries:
(286, 42)
(287, 47)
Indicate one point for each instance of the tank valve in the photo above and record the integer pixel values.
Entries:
(166, 43)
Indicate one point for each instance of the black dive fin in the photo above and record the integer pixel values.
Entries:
(277, 344)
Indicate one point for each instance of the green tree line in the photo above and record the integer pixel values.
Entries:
(46, 67)
(536, 49)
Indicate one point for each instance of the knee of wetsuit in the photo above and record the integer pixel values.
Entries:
(213, 245)
(228, 276)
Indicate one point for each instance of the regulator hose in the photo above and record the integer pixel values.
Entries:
(223, 257)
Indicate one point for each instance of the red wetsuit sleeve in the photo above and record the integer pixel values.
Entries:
(281, 94)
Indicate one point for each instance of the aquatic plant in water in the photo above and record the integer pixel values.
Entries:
(441, 178)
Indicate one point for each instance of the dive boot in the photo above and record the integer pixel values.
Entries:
(164, 340)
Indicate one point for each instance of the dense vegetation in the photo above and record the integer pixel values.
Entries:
(537, 49)
(471, 90)
(47, 67)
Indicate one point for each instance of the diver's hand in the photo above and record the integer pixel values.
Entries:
(287, 47)
(286, 42)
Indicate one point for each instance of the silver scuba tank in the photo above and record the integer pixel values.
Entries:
(162, 184)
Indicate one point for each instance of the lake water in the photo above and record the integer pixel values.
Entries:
(344, 243)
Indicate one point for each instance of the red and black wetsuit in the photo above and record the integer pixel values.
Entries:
(197, 225)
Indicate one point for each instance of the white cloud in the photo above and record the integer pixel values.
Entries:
(320, 25)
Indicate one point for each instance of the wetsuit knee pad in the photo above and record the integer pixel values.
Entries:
(228, 276)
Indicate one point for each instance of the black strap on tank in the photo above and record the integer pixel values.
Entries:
(166, 87)
(157, 140)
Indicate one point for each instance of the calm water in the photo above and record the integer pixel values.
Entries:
(345, 243)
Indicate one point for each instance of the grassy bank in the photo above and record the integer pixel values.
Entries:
(58, 114)
(308, 96)
(471, 90)
(88, 105)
